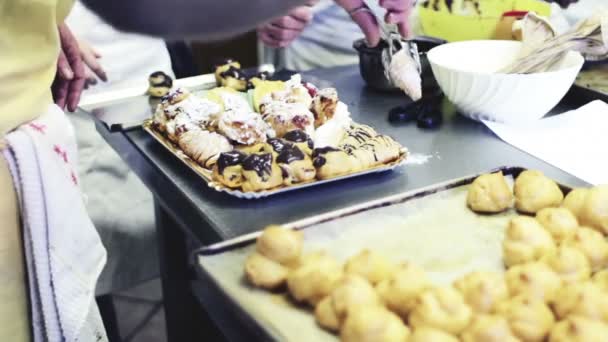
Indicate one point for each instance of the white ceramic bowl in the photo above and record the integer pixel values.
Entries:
(467, 74)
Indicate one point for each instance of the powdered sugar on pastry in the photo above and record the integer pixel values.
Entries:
(245, 127)
(203, 145)
(294, 92)
(284, 117)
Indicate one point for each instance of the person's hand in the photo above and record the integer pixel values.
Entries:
(281, 31)
(397, 12)
(93, 69)
(70, 78)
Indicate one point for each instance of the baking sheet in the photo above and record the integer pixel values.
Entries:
(207, 175)
(431, 227)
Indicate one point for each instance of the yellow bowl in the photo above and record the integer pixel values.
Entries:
(444, 24)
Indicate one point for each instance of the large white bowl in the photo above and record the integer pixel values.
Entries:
(467, 74)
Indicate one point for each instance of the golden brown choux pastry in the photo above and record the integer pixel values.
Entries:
(582, 299)
(426, 334)
(265, 273)
(559, 222)
(482, 290)
(575, 200)
(579, 329)
(352, 291)
(313, 280)
(536, 280)
(535, 191)
(570, 264)
(592, 244)
(442, 308)
(490, 193)
(594, 212)
(373, 324)
(326, 316)
(525, 240)
(400, 290)
(600, 279)
(530, 319)
(371, 265)
(280, 244)
(489, 328)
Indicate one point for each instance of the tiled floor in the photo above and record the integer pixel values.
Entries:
(140, 313)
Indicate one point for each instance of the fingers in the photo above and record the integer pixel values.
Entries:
(369, 25)
(401, 19)
(72, 53)
(91, 61)
(60, 91)
(63, 67)
(268, 40)
(396, 5)
(302, 13)
(76, 87)
(290, 23)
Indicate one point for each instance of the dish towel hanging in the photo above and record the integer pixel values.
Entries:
(63, 252)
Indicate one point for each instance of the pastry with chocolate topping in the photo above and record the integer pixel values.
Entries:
(332, 162)
(224, 66)
(284, 117)
(233, 78)
(296, 166)
(301, 139)
(324, 105)
(160, 84)
(260, 173)
(228, 169)
(256, 148)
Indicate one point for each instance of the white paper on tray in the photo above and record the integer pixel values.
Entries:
(576, 141)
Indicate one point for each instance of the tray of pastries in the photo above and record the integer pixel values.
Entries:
(253, 137)
(505, 256)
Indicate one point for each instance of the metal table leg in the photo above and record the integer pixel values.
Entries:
(185, 318)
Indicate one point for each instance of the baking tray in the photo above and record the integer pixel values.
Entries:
(431, 227)
(207, 175)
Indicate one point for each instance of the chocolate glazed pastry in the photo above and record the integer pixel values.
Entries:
(159, 84)
(278, 145)
(260, 173)
(301, 140)
(331, 162)
(228, 169)
(296, 166)
(233, 78)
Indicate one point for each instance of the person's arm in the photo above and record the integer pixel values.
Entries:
(203, 19)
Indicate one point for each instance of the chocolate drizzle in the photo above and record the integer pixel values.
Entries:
(360, 135)
(231, 158)
(323, 150)
(260, 163)
(278, 145)
(289, 155)
(160, 79)
(319, 161)
(298, 136)
(233, 72)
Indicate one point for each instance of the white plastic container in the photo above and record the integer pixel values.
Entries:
(467, 74)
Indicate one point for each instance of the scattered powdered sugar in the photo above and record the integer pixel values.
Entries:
(417, 159)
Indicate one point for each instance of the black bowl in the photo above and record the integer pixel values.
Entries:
(370, 61)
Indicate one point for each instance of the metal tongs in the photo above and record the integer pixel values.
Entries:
(390, 34)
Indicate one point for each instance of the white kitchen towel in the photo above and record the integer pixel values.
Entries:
(64, 254)
(575, 141)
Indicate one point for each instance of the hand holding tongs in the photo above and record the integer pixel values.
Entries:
(395, 42)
